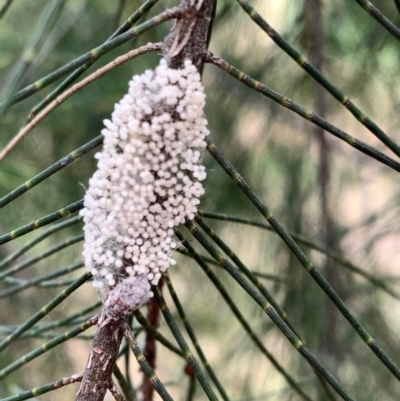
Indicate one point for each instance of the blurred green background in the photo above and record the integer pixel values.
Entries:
(322, 189)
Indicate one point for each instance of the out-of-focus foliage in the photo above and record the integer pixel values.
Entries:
(274, 149)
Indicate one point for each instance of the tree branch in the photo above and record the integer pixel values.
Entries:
(103, 354)
(188, 38)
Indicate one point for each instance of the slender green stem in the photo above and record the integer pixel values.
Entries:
(126, 387)
(191, 392)
(34, 225)
(193, 337)
(241, 319)
(51, 251)
(5, 8)
(397, 4)
(29, 245)
(269, 310)
(30, 283)
(187, 353)
(146, 368)
(271, 277)
(70, 320)
(95, 53)
(246, 272)
(308, 115)
(380, 18)
(47, 346)
(52, 335)
(29, 53)
(35, 392)
(44, 311)
(302, 258)
(319, 77)
(127, 356)
(310, 244)
(256, 273)
(72, 91)
(116, 18)
(326, 388)
(65, 161)
(155, 333)
(73, 320)
(43, 284)
(68, 81)
(55, 283)
(243, 268)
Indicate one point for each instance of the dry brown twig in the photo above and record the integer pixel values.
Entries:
(114, 390)
(103, 354)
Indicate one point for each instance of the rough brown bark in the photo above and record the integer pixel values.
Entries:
(188, 38)
(103, 354)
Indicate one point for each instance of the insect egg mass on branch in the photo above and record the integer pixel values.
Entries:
(148, 181)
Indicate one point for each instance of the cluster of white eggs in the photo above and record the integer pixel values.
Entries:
(148, 179)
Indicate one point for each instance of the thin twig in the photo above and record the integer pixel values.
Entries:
(54, 342)
(145, 366)
(114, 390)
(102, 357)
(126, 387)
(44, 311)
(150, 349)
(189, 38)
(77, 377)
(5, 8)
(150, 47)
(301, 111)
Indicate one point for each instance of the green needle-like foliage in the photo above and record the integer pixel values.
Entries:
(270, 311)
(11, 258)
(308, 115)
(47, 346)
(303, 259)
(147, 369)
(39, 258)
(313, 161)
(35, 392)
(34, 225)
(187, 353)
(319, 77)
(126, 387)
(44, 311)
(196, 344)
(379, 17)
(67, 82)
(225, 248)
(71, 157)
(241, 319)
(29, 53)
(24, 284)
(158, 336)
(308, 243)
(91, 56)
(5, 7)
